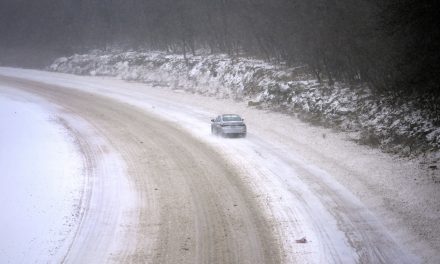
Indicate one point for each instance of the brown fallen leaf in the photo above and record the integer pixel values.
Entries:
(302, 240)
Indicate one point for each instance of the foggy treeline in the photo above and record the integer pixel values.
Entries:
(390, 44)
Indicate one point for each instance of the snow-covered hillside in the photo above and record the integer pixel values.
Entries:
(398, 126)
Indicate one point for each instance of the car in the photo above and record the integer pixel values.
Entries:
(228, 125)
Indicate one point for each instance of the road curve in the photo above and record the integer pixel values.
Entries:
(192, 206)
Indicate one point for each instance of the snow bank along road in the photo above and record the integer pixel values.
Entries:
(176, 194)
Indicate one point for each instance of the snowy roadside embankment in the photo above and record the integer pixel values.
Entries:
(64, 191)
(40, 185)
(396, 126)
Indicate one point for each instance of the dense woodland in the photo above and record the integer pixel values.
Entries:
(392, 45)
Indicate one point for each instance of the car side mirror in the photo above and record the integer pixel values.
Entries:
(242, 119)
(212, 120)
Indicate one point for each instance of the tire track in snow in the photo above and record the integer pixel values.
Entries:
(192, 205)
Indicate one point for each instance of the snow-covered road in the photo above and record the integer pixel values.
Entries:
(164, 190)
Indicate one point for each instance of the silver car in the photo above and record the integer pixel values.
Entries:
(228, 125)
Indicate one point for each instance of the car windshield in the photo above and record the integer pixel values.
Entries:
(227, 118)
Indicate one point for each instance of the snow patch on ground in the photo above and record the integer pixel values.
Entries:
(40, 184)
